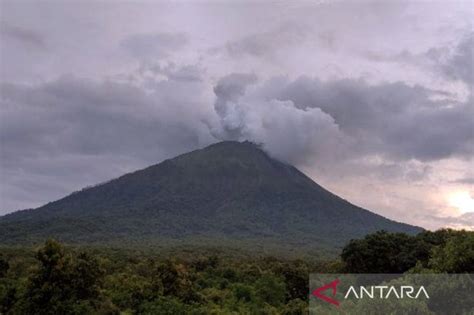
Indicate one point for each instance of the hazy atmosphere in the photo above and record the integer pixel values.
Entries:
(374, 102)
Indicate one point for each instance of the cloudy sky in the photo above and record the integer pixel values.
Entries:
(373, 100)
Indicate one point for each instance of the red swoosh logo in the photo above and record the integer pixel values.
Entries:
(333, 285)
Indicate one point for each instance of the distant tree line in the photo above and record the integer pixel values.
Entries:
(62, 280)
(441, 251)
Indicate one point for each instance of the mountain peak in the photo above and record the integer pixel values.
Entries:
(228, 190)
(229, 148)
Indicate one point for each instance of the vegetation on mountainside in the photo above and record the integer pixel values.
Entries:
(229, 190)
(58, 279)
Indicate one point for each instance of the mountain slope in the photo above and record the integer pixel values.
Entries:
(228, 190)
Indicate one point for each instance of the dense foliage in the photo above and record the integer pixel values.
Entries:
(56, 279)
(441, 251)
(64, 280)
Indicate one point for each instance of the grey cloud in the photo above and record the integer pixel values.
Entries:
(290, 134)
(385, 170)
(460, 65)
(39, 179)
(267, 43)
(464, 221)
(228, 90)
(81, 116)
(58, 135)
(392, 119)
(232, 86)
(154, 46)
(23, 35)
(333, 125)
(453, 63)
(464, 180)
(76, 132)
(173, 72)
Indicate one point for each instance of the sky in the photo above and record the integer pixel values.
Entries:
(372, 100)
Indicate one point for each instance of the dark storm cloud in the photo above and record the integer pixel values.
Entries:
(154, 46)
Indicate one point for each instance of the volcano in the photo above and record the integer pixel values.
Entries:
(229, 191)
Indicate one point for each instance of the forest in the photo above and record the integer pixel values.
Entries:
(56, 278)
